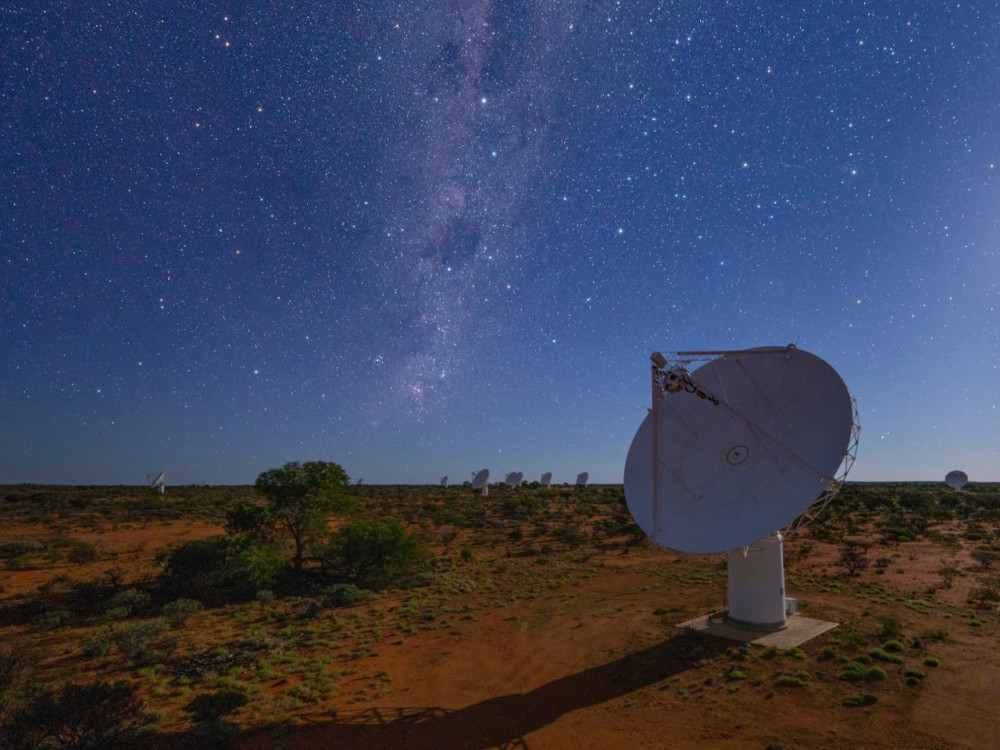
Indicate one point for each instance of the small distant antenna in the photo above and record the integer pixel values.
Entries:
(481, 481)
(361, 481)
(581, 479)
(956, 479)
(547, 479)
(514, 479)
(444, 481)
(157, 481)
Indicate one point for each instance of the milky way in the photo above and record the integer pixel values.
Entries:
(421, 239)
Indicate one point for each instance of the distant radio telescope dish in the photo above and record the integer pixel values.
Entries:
(581, 479)
(547, 479)
(481, 481)
(750, 443)
(444, 481)
(361, 481)
(514, 479)
(157, 481)
(956, 479)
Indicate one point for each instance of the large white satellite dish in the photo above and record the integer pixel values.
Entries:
(547, 479)
(514, 479)
(444, 481)
(956, 479)
(157, 481)
(581, 479)
(481, 481)
(751, 443)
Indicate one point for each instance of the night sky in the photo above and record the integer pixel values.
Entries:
(422, 238)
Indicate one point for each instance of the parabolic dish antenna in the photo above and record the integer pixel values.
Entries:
(581, 479)
(547, 479)
(750, 443)
(157, 481)
(514, 479)
(444, 481)
(480, 481)
(956, 479)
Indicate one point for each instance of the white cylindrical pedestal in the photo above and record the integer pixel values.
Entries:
(757, 585)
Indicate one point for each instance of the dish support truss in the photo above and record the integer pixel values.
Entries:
(670, 374)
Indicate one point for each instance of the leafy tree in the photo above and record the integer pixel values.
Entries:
(373, 554)
(298, 499)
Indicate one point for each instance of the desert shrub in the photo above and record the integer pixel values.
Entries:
(372, 554)
(875, 674)
(890, 626)
(54, 619)
(985, 596)
(115, 614)
(985, 556)
(142, 642)
(894, 647)
(133, 601)
(860, 699)
(853, 558)
(264, 596)
(99, 643)
(99, 716)
(221, 569)
(879, 655)
(916, 674)
(81, 552)
(19, 547)
(345, 595)
(930, 661)
(213, 707)
(796, 680)
(179, 610)
(21, 562)
(852, 672)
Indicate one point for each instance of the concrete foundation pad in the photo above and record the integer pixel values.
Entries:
(797, 631)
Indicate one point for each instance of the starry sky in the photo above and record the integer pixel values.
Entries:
(422, 238)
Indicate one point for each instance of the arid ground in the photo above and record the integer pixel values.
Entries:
(536, 619)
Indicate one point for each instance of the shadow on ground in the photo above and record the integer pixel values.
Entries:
(500, 722)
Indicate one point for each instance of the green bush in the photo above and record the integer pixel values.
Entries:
(891, 626)
(115, 614)
(879, 655)
(372, 554)
(221, 569)
(915, 673)
(133, 601)
(797, 680)
(860, 699)
(54, 619)
(875, 674)
(345, 595)
(894, 647)
(179, 610)
(81, 552)
(21, 562)
(930, 661)
(141, 641)
(852, 672)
